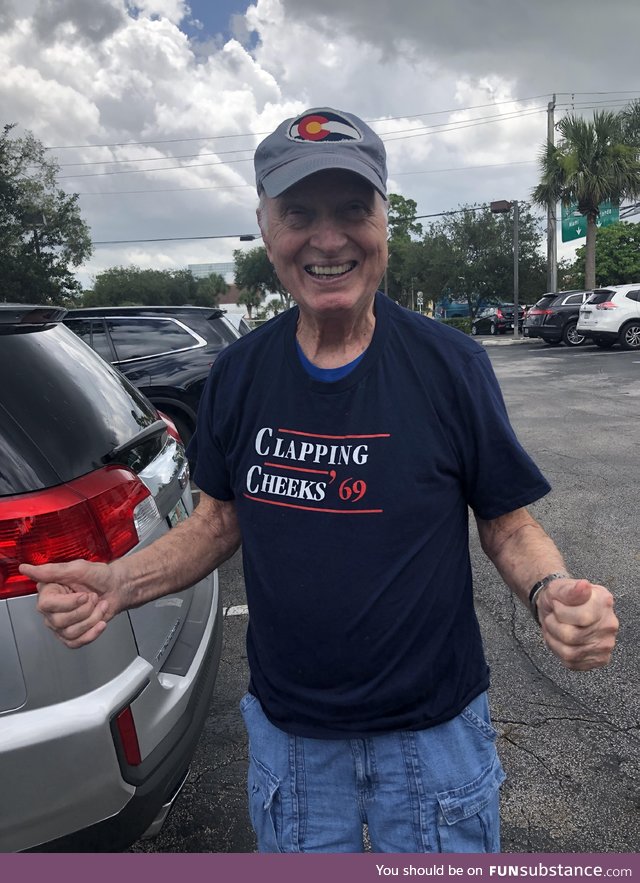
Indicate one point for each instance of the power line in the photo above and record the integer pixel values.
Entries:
(259, 134)
(376, 120)
(526, 162)
(402, 134)
(624, 212)
(440, 128)
(243, 237)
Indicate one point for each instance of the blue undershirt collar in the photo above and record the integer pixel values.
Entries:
(327, 375)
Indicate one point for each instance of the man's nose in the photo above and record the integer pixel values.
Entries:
(327, 235)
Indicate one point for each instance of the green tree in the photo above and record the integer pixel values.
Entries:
(254, 273)
(132, 285)
(404, 269)
(209, 290)
(402, 218)
(617, 255)
(592, 163)
(470, 256)
(42, 234)
(251, 300)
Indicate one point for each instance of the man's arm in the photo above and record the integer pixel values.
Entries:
(576, 616)
(79, 598)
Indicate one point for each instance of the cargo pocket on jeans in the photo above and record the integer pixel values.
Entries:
(469, 816)
(265, 807)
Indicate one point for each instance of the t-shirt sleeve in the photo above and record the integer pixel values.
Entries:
(206, 448)
(498, 474)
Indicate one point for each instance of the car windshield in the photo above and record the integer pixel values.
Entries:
(546, 301)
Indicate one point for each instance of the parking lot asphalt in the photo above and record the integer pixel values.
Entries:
(569, 742)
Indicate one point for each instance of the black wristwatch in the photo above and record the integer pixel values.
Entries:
(537, 588)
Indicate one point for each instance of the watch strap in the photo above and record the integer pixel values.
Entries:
(537, 588)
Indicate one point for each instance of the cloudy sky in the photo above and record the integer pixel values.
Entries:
(153, 109)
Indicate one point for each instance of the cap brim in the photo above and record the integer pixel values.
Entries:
(290, 173)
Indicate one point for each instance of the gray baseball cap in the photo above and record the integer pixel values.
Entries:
(320, 138)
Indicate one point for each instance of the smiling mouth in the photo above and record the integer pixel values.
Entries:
(329, 272)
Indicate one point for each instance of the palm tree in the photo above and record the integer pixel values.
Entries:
(593, 162)
(630, 118)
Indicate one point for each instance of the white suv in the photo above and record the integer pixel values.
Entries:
(612, 315)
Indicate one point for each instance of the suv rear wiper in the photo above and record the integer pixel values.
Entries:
(116, 455)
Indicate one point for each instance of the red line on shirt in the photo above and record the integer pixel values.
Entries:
(316, 435)
(298, 468)
(316, 508)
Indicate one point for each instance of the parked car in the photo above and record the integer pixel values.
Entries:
(95, 743)
(496, 320)
(612, 315)
(554, 318)
(165, 351)
(238, 319)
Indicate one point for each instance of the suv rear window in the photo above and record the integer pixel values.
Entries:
(601, 296)
(92, 331)
(545, 302)
(140, 336)
(59, 383)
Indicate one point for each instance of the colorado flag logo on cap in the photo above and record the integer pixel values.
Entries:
(323, 126)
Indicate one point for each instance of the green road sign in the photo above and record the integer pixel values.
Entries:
(574, 225)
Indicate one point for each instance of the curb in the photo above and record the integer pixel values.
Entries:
(509, 342)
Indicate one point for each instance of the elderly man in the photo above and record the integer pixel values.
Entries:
(343, 444)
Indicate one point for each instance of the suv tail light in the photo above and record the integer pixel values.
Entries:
(607, 305)
(92, 517)
(126, 727)
(535, 311)
(172, 429)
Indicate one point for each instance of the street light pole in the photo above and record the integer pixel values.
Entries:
(502, 207)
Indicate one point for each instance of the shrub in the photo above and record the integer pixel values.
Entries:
(462, 323)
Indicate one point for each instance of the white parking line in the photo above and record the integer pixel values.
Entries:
(238, 610)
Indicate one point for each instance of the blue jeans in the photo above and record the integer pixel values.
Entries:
(433, 790)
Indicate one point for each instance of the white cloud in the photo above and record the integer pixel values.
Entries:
(113, 72)
(174, 11)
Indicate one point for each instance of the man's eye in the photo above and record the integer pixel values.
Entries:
(357, 209)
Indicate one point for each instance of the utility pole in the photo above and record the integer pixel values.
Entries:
(516, 261)
(552, 254)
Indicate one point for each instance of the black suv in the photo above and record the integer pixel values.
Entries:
(165, 351)
(96, 743)
(555, 316)
(496, 320)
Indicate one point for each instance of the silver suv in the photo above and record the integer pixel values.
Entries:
(95, 743)
(612, 315)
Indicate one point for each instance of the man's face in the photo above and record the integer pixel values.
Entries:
(327, 239)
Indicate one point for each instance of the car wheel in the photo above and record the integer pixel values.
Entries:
(493, 329)
(630, 336)
(474, 330)
(571, 336)
(604, 344)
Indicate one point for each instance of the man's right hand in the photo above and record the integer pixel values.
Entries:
(77, 599)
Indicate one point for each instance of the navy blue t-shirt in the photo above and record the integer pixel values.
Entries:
(353, 499)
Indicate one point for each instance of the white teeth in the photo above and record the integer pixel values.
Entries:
(317, 270)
